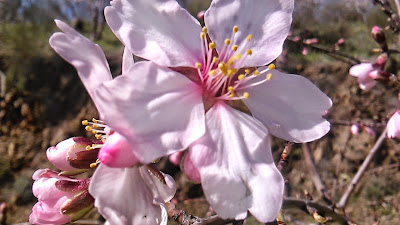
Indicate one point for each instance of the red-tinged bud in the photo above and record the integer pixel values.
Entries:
(379, 36)
(311, 41)
(296, 39)
(381, 60)
(200, 15)
(304, 51)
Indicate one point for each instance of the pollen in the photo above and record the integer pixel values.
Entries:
(247, 71)
(222, 67)
(227, 41)
(215, 60)
(87, 128)
(230, 88)
(235, 47)
(249, 37)
(95, 121)
(232, 95)
(246, 95)
(212, 45)
(256, 72)
(85, 122)
(269, 76)
(94, 131)
(235, 29)
(271, 66)
(88, 148)
(231, 72)
(198, 65)
(204, 29)
(98, 136)
(202, 35)
(249, 52)
(241, 77)
(212, 72)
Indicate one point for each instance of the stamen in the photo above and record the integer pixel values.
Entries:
(231, 72)
(202, 35)
(198, 65)
(204, 29)
(212, 45)
(256, 72)
(227, 41)
(233, 59)
(241, 77)
(249, 52)
(93, 165)
(235, 29)
(249, 37)
(235, 47)
(85, 122)
(230, 88)
(269, 76)
(247, 71)
(212, 72)
(246, 95)
(215, 60)
(87, 128)
(271, 66)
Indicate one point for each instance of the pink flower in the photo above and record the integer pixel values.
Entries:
(55, 194)
(125, 196)
(189, 94)
(393, 125)
(363, 73)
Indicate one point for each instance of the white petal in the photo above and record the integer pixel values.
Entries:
(163, 191)
(236, 166)
(157, 30)
(267, 21)
(290, 106)
(86, 56)
(158, 110)
(123, 198)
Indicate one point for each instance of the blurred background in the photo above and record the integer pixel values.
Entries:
(42, 102)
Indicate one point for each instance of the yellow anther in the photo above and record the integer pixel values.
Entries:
(232, 95)
(249, 52)
(94, 131)
(223, 68)
(212, 72)
(246, 95)
(212, 45)
(204, 29)
(231, 72)
(271, 66)
(98, 136)
(249, 37)
(88, 148)
(95, 126)
(85, 122)
(94, 120)
(215, 59)
(235, 47)
(235, 29)
(197, 65)
(256, 72)
(233, 59)
(269, 76)
(247, 71)
(87, 128)
(230, 88)
(227, 41)
(202, 35)
(93, 165)
(241, 77)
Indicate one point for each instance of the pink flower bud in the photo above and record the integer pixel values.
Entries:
(379, 36)
(311, 41)
(354, 129)
(381, 60)
(304, 51)
(53, 195)
(176, 157)
(190, 169)
(369, 130)
(200, 15)
(117, 152)
(69, 150)
(340, 41)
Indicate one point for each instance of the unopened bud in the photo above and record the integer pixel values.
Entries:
(200, 15)
(381, 60)
(379, 36)
(78, 205)
(354, 129)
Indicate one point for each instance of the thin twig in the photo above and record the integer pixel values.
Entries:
(316, 178)
(361, 170)
(387, 9)
(285, 153)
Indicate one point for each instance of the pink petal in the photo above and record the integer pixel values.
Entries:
(268, 22)
(87, 57)
(290, 106)
(163, 191)
(157, 30)
(158, 110)
(44, 214)
(236, 166)
(117, 152)
(127, 60)
(361, 70)
(393, 126)
(123, 198)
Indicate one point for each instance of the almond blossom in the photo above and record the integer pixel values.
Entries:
(126, 196)
(190, 94)
(364, 73)
(393, 125)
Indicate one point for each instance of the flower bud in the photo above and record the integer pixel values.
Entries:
(55, 192)
(379, 36)
(393, 126)
(117, 152)
(354, 129)
(71, 154)
(175, 158)
(190, 169)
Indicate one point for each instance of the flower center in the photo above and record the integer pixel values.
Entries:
(221, 73)
(101, 131)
